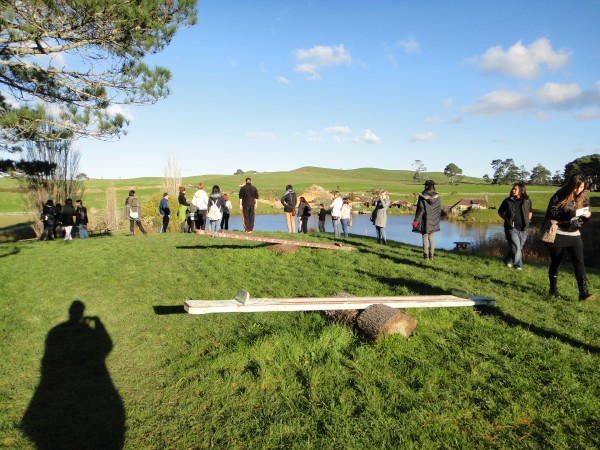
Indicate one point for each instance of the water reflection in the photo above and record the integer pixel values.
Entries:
(76, 405)
(398, 228)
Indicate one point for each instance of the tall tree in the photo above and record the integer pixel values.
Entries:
(505, 171)
(81, 56)
(540, 175)
(453, 172)
(589, 167)
(419, 170)
(557, 178)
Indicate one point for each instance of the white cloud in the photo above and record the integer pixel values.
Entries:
(311, 61)
(522, 61)
(559, 94)
(367, 137)
(282, 80)
(550, 97)
(113, 110)
(449, 102)
(410, 45)
(499, 102)
(337, 130)
(260, 134)
(422, 137)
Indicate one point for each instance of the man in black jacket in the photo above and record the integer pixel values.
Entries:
(516, 212)
(248, 200)
(81, 219)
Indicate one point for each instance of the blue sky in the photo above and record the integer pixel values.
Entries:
(276, 85)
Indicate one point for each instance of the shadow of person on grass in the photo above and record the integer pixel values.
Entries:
(547, 334)
(76, 405)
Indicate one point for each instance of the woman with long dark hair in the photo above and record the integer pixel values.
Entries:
(569, 206)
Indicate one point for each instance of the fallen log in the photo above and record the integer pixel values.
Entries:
(377, 321)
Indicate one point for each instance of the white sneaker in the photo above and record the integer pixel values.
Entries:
(509, 265)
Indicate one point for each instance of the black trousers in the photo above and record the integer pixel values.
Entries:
(248, 215)
(572, 246)
(225, 222)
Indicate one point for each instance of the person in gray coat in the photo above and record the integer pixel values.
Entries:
(379, 216)
(427, 218)
(133, 212)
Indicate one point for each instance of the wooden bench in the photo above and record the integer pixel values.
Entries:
(462, 246)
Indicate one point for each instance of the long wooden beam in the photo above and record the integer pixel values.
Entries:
(253, 237)
(330, 303)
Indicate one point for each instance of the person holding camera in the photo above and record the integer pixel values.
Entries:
(569, 206)
(379, 216)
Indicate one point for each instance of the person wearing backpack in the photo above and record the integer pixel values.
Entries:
(216, 205)
(165, 212)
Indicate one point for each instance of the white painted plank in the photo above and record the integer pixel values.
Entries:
(331, 303)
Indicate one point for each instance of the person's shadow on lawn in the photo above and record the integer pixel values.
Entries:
(76, 405)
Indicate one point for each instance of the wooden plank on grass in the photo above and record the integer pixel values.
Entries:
(331, 303)
(252, 237)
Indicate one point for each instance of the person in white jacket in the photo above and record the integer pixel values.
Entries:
(336, 213)
(200, 202)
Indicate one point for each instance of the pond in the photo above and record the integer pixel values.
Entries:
(398, 228)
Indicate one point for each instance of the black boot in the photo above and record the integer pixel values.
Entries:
(553, 292)
(584, 294)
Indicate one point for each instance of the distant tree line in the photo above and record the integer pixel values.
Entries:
(507, 172)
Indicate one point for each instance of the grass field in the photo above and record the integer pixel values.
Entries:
(523, 374)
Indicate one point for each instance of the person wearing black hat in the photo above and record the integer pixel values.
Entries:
(427, 218)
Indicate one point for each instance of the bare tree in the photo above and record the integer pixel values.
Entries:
(112, 217)
(58, 183)
(171, 176)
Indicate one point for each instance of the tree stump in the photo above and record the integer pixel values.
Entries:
(342, 316)
(380, 320)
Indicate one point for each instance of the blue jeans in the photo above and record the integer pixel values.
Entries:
(345, 226)
(213, 225)
(83, 234)
(336, 227)
(381, 235)
(516, 239)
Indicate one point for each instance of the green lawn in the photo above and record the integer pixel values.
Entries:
(521, 375)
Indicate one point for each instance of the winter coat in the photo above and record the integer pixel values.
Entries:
(48, 215)
(566, 218)
(67, 212)
(81, 216)
(163, 207)
(288, 201)
(380, 212)
(429, 210)
(304, 210)
(132, 204)
(508, 211)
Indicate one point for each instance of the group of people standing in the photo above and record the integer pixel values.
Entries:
(203, 210)
(58, 220)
